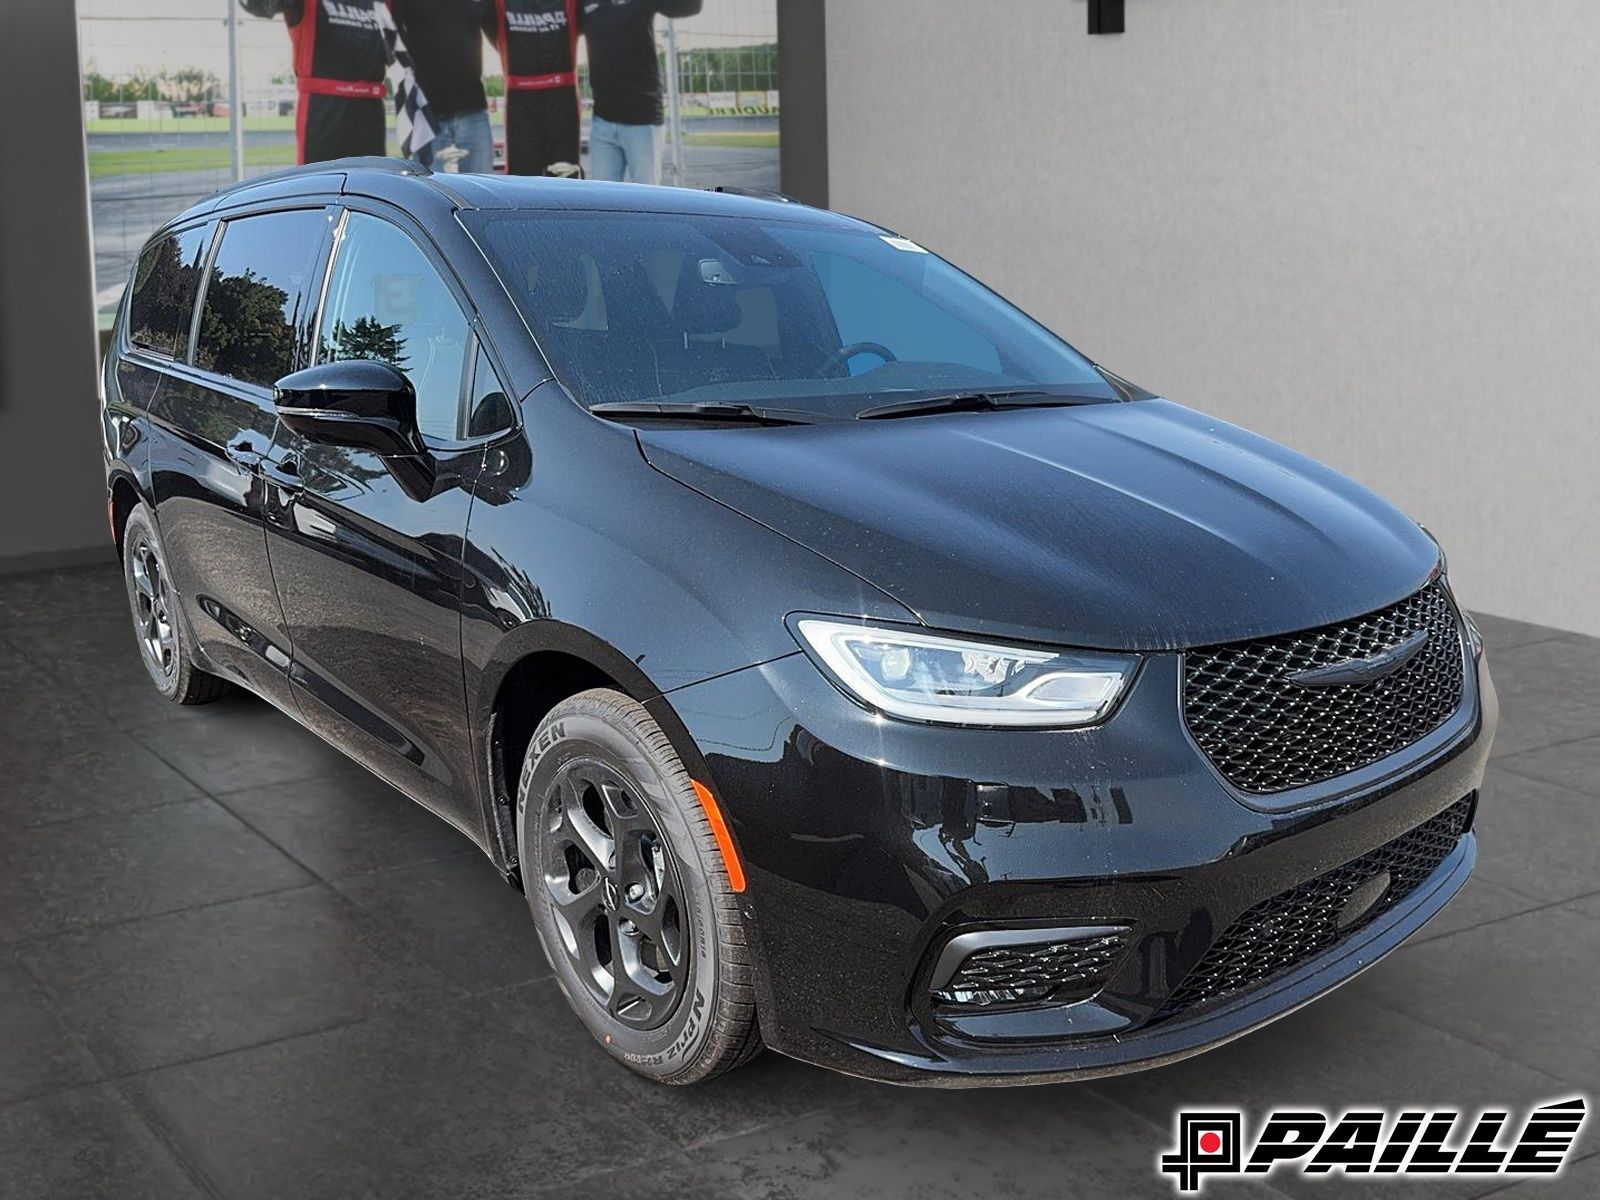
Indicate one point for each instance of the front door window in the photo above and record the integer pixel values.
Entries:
(387, 302)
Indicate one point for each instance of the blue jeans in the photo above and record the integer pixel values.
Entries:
(624, 153)
(470, 131)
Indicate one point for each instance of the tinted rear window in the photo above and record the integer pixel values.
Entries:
(258, 287)
(161, 305)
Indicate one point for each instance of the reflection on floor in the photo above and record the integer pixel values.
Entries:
(232, 965)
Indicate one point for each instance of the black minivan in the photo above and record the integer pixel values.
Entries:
(838, 660)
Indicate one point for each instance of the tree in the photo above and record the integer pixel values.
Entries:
(366, 337)
(181, 85)
(731, 69)
(244, 328)
(135, 86)
(189, 84)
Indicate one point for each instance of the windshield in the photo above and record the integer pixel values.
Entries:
(805, 317)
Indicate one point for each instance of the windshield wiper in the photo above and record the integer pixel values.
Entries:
(975, 402)
(704, 410)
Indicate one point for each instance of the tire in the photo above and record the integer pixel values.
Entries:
(165, 645)
(609, 829)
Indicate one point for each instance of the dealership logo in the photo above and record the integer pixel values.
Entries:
(1374, 1141)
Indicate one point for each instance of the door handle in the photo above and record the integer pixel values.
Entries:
(284, 473)
(243, 454)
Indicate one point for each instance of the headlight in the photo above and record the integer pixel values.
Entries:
(925, 677)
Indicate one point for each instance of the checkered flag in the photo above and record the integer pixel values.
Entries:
(411, 121)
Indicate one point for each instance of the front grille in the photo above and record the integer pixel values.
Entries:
(1267, 733)
(1032, 973)
(1291, 927)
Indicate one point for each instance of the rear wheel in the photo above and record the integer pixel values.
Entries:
(630, 895)
(164, 645)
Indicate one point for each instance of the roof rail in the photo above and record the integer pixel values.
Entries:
(729, 189)
(369, 162)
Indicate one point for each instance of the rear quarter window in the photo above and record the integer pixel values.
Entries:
(161, 299)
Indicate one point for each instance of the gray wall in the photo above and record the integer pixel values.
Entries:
(52, 490)
(1365, 228)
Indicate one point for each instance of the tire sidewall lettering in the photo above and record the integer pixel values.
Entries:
(587, 736)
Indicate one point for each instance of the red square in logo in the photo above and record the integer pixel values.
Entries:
(1208, 1143)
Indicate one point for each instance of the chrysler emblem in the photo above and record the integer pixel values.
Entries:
(1363, 670)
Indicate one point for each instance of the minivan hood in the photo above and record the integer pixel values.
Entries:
(1140, 525)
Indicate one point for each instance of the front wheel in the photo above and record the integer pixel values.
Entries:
(630, 894)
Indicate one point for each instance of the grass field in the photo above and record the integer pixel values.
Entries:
(763, 141)
(189, 158)
(181, 125)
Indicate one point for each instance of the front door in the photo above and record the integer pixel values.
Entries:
(366, 551)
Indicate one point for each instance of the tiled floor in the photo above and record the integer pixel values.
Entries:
(312, 988)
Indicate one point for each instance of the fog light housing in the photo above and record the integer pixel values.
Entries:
(995, 968)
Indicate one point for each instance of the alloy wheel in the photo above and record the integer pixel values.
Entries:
(153, 608)
(615, 893)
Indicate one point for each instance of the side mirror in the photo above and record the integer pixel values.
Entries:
(360, 403)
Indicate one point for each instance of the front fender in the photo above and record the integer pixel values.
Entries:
(580, 545)
(576, 545)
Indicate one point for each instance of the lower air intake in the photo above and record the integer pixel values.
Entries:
(1296, 925)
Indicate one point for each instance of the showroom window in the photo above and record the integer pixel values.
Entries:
(161, 305)
(387, 302)
(255, 292)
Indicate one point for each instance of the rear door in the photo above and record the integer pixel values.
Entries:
(153, 339)
(366, 551)
(212, 424)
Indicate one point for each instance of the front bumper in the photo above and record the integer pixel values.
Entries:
(870, 843)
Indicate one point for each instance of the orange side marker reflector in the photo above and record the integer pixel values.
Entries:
(719, 830)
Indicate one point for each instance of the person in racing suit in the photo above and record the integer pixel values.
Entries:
(538, 44)
(339, 66)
